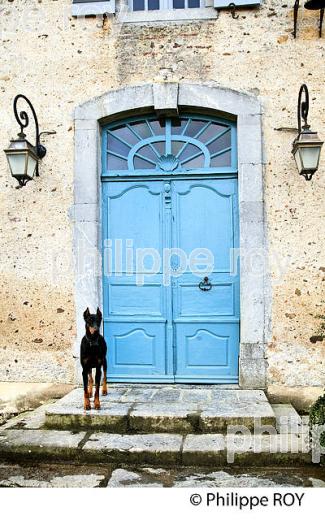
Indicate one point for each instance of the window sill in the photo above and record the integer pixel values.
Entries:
(167, 15)
(93, 8)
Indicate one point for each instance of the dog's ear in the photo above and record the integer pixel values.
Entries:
(99, 314)
(86, 313)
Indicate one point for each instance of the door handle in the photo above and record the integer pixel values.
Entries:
(167, 190)
(205, 285)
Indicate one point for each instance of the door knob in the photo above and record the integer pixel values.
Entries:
(205, 285)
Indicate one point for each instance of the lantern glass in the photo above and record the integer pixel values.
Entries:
(22, 160)
(31, 166)
(310, 157)
(306, 150)
(298, 159)
(17, 163)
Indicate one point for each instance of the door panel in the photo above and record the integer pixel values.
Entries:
(134, 222)
(135, 306)
(206, 323)
(206, 352)
(136, 349)
(194, 303)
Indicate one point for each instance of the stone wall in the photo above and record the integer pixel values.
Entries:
(60, 62)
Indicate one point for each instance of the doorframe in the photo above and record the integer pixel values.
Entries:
(167, 99)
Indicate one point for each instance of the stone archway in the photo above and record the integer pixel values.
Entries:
(167, 98)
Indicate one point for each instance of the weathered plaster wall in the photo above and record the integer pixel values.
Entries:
(61, 62)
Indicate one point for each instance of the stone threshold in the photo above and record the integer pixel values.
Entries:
(165, 409)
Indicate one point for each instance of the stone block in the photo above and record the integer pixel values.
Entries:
(39, 444)
(247, 413)
(112, 417)
(125, 478)
(141, 395)
(287, 419)
(86, 180)
(166, 395)
(147, 449)
(252, 373)
(250, 182)
(252, 350)
(249, 134)
(165, 97)
(163, 418)
(203, 450)
(196, 396)
(218, 98)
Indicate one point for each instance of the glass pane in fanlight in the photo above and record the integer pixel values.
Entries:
(115, 145)
(194, 127)
(115, 163)
(210, 132)
(188, 151)
(160, 147)
(221, 160)
(141, 129)
(176, 146)
(31, 166)
(309, 157)
(140, 164)
(220, 144)
(17, 163)
(148, 153)
(124, 133)
(198, 162)
(178, 125)
(157, 128)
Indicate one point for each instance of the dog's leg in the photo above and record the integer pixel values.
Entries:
(90, 383)
(97, 383)
(85, 373)
(86, 401)
(104, 390)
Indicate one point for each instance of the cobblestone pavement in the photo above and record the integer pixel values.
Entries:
(91, 476)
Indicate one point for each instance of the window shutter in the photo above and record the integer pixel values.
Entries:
(92, 7)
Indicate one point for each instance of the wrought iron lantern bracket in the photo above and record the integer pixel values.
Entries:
(23, 157)
(22, 119)
(306, 147)
(314, 5)
(303, 108)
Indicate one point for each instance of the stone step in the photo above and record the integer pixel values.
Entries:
(215, 450)
(164, 409)
(287, 419)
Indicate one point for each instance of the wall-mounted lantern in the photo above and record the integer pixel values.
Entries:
(306, 148)
(22, 156)
(311, 5)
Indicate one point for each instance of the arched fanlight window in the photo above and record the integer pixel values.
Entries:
(188, 143)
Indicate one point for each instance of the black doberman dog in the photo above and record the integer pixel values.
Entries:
(93, 355)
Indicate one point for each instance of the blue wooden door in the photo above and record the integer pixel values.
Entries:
(169, 196)
(159, 324)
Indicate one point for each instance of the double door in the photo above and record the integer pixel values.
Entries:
(171, 280)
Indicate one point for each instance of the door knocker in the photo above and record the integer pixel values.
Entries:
(205, 285)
